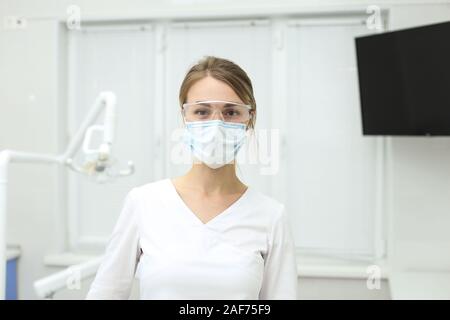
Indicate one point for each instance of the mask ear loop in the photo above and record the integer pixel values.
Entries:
(249, 120)
(252, 134)
(246, 129)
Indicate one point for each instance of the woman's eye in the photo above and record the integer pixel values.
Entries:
(232, 113)
(201, 112)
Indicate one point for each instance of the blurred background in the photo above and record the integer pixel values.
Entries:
(369, 210)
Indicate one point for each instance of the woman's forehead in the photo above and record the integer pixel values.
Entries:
(211, 89)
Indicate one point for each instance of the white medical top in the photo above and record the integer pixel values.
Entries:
(245, 252)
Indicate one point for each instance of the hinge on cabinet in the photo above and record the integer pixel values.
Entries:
(162, 40)
(279, 39)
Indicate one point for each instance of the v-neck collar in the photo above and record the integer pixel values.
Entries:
(217, 217)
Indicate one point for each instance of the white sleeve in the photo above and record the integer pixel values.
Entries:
(280, 267)
(115, 275)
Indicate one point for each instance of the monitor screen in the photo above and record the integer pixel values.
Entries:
(404, 81)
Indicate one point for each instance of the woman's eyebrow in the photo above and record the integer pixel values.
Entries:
(227, 103)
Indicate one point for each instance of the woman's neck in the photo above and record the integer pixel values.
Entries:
(212, 181)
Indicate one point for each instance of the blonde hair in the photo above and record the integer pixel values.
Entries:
(226, 71)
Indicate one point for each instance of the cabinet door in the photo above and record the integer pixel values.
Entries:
(120, 60)
(331, 167)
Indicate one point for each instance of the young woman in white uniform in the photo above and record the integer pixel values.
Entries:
(204, 235)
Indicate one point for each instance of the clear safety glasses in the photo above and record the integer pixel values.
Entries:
(207, 110)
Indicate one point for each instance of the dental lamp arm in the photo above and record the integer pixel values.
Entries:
(107, 99)
(69, 278)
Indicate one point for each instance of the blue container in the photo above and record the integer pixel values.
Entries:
(11, 279)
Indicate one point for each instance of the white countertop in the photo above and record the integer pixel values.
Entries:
(307, 266)
(329, 267)
(12, 253)
(420, 285)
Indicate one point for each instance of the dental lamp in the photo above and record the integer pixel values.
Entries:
(99, 164)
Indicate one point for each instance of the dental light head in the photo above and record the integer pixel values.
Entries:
(98, 164)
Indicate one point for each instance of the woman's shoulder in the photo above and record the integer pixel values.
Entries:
(265, 203)
(271, 212)
(150, 188)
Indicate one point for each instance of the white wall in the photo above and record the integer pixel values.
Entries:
(419, 184)
(29, 80)
(28, 121)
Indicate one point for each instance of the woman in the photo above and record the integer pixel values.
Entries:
(204, 235)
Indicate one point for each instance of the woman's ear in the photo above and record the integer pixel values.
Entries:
(182, 117)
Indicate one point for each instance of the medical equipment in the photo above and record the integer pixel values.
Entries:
(69, 278)
(214, 142)
(98, 166)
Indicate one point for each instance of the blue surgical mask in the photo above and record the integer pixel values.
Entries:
(214, 142)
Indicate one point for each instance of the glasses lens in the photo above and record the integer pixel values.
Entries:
(198, 112)
(235, 114)
(210, 111)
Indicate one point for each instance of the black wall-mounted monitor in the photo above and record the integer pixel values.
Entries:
(404, 81)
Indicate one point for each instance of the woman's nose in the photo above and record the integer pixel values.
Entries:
(217, 115)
